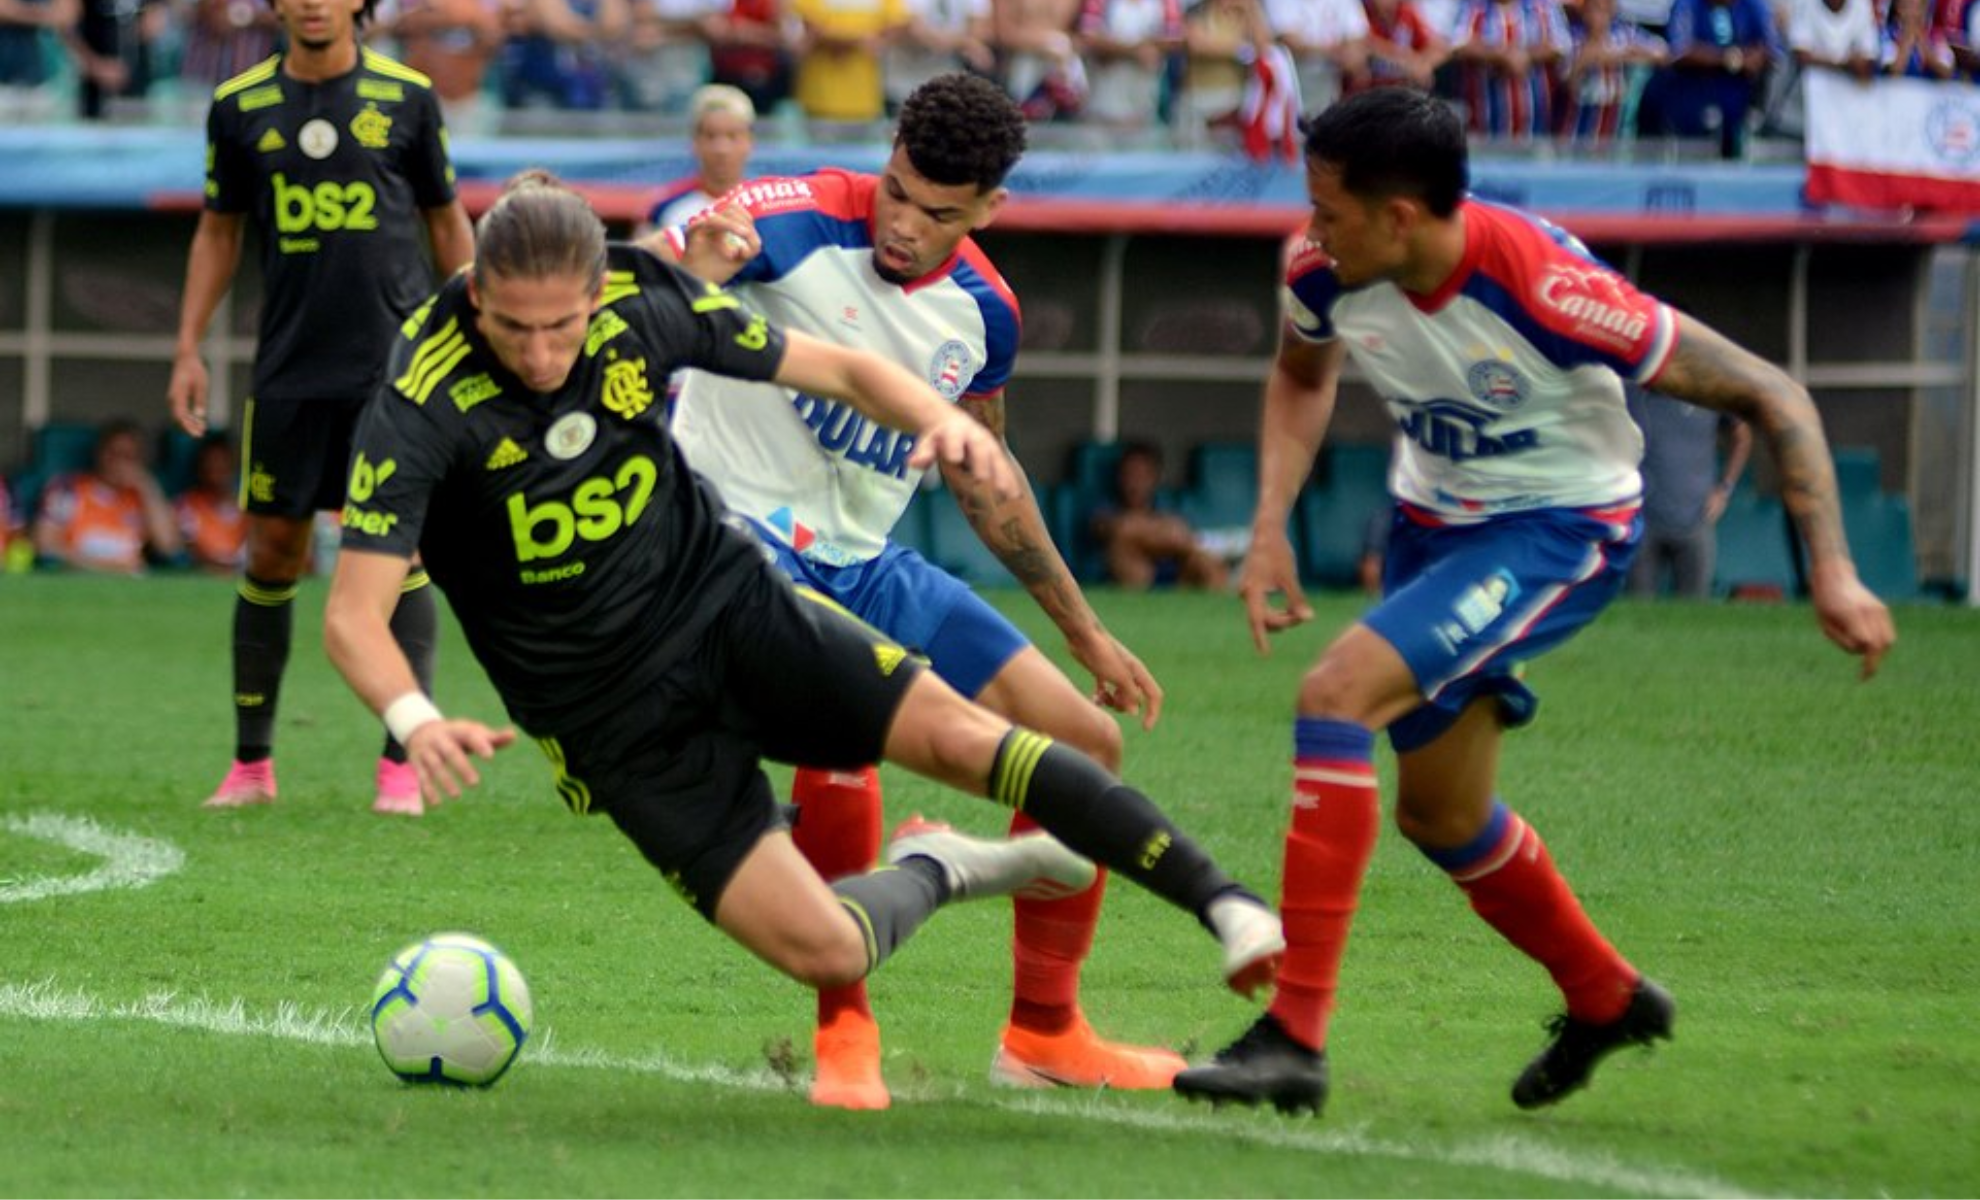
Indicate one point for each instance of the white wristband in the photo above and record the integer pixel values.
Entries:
(408, 713)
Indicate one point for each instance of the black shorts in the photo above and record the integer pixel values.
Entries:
(783, 674)
(296, 455)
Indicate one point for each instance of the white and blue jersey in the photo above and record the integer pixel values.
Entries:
(823, 485)
(830, 482)
(1503, 384)
(1516, 458)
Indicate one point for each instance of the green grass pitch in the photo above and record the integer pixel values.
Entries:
(1796, 855)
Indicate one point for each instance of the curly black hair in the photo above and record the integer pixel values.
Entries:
(960, 128)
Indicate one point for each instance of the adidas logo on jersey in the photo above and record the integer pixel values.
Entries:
(507, 454)
(270, 142)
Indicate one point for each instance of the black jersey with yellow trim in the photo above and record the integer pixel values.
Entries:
(581, 554)
(336, 175)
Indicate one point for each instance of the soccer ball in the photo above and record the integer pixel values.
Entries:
(450, 1009)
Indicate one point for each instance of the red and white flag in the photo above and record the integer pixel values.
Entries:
(1893, 143)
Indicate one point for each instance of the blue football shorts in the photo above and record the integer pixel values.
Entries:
(916, 603)
(1468, 605)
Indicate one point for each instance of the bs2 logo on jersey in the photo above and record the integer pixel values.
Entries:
(598, 508)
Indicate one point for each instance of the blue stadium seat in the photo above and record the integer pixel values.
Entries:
(1880, 539)
(177, 451)
(954, 546)
(1089, 483)
(57, 448)
(1223, 486)
(60, 447)
(1858, 473)
(1756, 554)
(1330, 521)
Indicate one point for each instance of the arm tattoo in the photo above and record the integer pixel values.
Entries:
(1708, 370)
(1014, 530)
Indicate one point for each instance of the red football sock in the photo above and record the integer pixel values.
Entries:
(1336, 815)
(1517, 889)
(838, 832)
(1049, 944)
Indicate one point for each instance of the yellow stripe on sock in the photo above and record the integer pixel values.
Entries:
(865, 923)
(266, 597)
(416, 579)
(1010, 778)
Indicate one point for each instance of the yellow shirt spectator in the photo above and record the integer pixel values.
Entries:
(838, 78)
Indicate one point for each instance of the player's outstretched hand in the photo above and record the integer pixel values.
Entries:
(443, 753)
(1120, 681)
(1269, 568)
(187, 393)
(720, 241)
(1851, 615)
(959, 440)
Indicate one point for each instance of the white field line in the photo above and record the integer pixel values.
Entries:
(47, 1002)
(130, 861)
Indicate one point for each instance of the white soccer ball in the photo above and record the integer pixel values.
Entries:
(450, 1009)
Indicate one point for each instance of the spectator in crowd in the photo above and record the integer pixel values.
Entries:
(1719, 51)
(1684, 491)
(1822, 35)
(1508, 51)
(1223, 37)
(666, 54)
(222, 39)
(724, 137)
(1042, 68)
(24, 74)
(940, 36)
(1144, 544)
(16, 549)
(211, 524)
(1608, 54)
(1403, 47)
(838, 74)
(1328, 40)
(111, 46)
(1915, 47)
(1835, 35)
(1961, 21)
(555, 56)
(112, 517)
(1127, 45)
(451, 42)
(751, 48)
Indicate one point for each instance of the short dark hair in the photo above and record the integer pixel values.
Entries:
(1393, 141)
(961, 128)
(537, 229)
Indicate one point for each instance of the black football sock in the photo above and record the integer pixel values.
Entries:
(890, 903)
(416, 627)
(264, 623)
(1095, 814)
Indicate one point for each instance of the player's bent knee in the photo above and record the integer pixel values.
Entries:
(829, 960)
(1095, 734)
(1435, 827)
(1330, 693)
